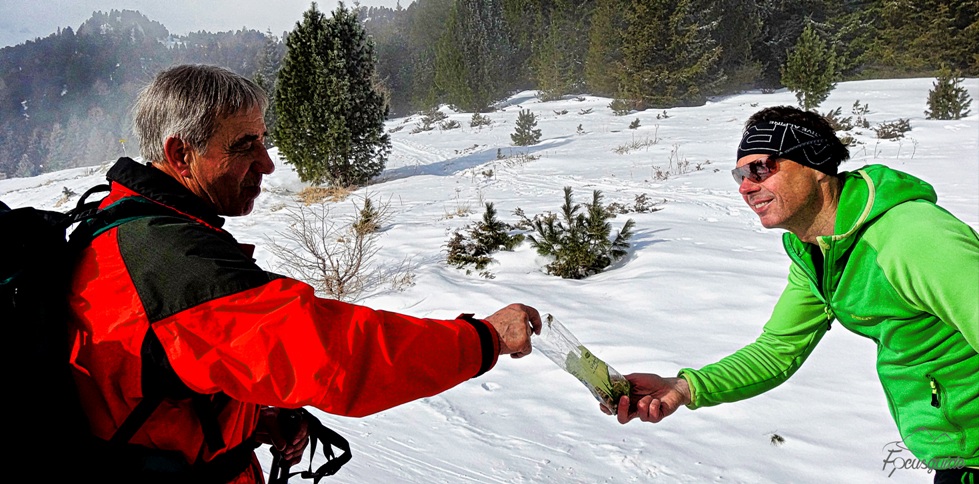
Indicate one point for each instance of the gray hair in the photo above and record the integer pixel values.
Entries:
(187, 102)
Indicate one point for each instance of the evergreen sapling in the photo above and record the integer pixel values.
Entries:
(581, 242)
(525, 134)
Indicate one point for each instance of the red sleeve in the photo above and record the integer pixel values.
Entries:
(278, 344)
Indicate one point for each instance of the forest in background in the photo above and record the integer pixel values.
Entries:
(65, 98)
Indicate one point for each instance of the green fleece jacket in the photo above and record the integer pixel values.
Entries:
(900, 271)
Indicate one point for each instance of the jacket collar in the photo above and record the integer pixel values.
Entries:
(867, 193)
(159, 187)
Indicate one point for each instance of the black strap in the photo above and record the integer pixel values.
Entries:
(159, 381)
(136, 419)
(318, 434)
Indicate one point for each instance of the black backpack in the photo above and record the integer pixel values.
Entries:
(37, 258)
(35, 270)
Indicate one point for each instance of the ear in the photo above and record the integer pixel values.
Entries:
(178, 156)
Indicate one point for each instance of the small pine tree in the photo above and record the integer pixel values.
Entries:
(474, 244)
(580, 242)
(525, 134)
(947, 99)
(810, 70)
(368, 218)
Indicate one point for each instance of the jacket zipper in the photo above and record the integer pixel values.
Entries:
(814, 279)
(936, 401)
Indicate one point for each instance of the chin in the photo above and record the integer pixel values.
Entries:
(768, 223)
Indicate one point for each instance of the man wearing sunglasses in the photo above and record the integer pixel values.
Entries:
(871, 250)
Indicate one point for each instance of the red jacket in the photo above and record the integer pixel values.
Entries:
(226, 325)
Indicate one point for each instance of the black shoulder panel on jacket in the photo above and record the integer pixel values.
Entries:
(176, 264)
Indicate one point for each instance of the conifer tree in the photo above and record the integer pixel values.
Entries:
(428, 20)
(947, 99)
(810, 70)
(522, 18)
(330, 112)
(738, 28)
(452, 79)
(558, 60)
(921, 35)
(781, 25)
(580, 243)
(472, 58)
(603, 61)
(525, 134)
(266, 77)
(670, 57)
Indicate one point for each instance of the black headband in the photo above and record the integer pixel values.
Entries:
(779, 139)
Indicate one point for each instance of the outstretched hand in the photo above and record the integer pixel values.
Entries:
(514, 324)
(652, 398)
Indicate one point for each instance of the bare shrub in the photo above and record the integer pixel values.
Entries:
(338, 259)
(678, 166)
(637, 144)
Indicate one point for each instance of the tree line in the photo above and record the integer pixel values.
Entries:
(64, 99)
(653, 53)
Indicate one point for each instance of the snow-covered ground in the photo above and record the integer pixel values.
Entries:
(700, 280)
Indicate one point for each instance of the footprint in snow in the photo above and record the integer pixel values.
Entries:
(490, 386)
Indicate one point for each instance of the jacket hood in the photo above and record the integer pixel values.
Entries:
(872, 190)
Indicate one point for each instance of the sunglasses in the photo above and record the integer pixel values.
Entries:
(756, 171)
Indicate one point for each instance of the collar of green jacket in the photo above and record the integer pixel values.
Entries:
(867, 193)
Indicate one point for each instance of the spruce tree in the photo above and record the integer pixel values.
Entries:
(427, 21)
(522, 18)
(781, 25)
(947, 99)
(810, 70)
(452, 78)
(921, 35)
(330, 113)
(738, 28)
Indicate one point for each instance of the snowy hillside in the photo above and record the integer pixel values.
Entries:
(698, 283)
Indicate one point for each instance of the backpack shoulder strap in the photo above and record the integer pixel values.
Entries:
(160, 381)
(93, 221)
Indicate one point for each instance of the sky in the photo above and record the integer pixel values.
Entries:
(699, 281)
(24, 20)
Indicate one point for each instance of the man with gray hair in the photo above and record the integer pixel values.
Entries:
(170, 309)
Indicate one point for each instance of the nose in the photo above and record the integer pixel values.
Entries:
(747, 186)
(264, 163)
